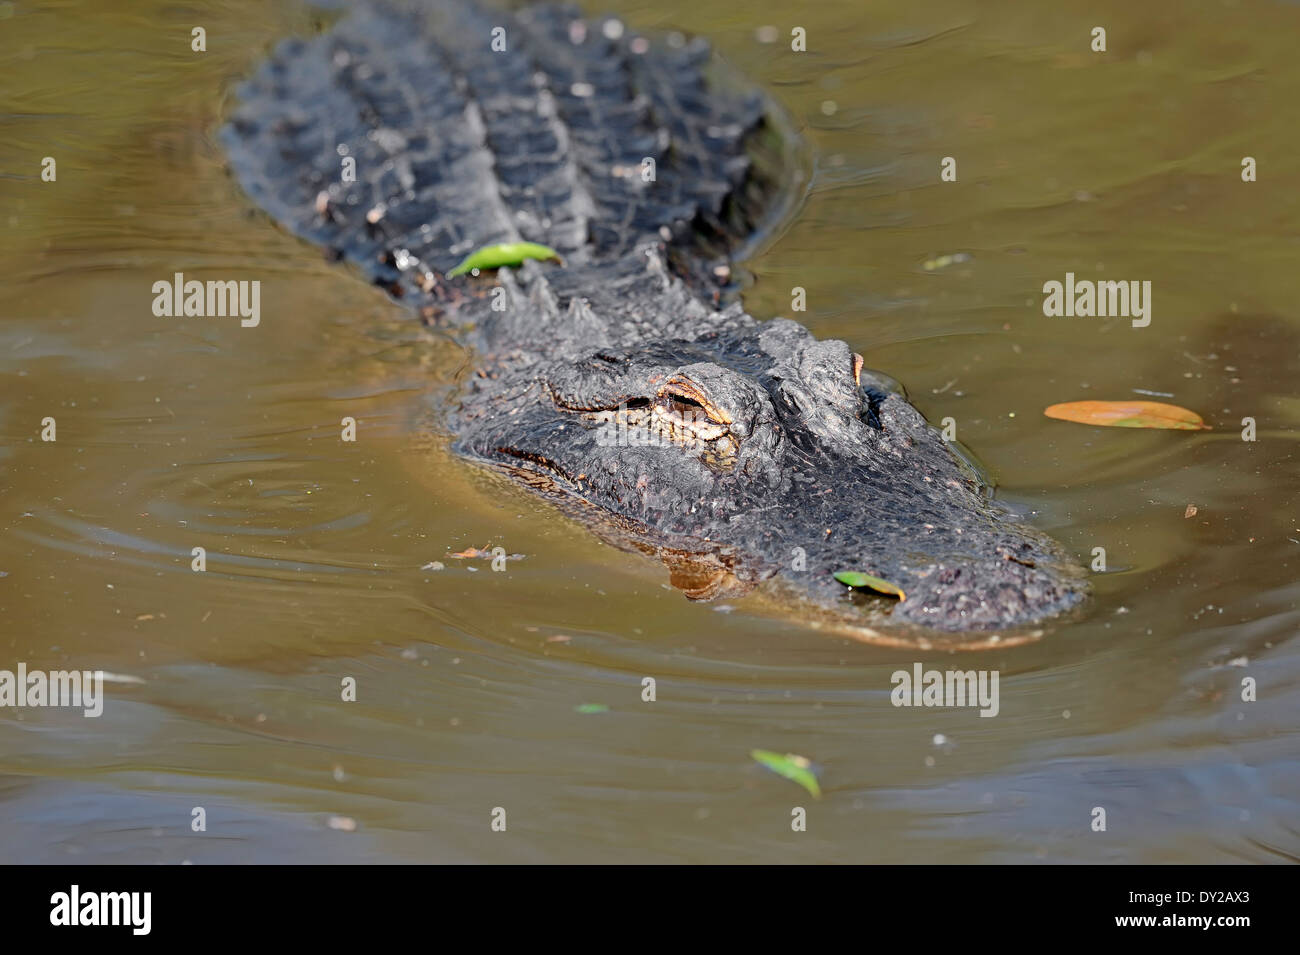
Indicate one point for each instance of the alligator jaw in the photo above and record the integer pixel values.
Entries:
(980, 580)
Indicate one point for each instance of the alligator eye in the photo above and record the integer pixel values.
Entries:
(688, 400)
(684, 407)
(685, 415)
(858, 362)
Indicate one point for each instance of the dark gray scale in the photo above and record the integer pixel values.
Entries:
(425, 186)
(433, 194)
(458, 146)
(609, 125)
(708, 129)
(537, 179)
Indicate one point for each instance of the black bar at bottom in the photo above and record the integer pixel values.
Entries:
(302, 904)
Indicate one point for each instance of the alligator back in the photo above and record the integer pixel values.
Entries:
(468, 126)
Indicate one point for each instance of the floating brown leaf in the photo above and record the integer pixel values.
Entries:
(472, 553)
(1128, 414)
(478, 553)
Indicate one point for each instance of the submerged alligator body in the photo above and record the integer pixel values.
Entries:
(737, 451)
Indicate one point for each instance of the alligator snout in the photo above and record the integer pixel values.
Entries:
(986, 594)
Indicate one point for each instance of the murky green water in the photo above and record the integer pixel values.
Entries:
(176, 433)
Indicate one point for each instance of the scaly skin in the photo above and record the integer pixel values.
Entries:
(738, 451)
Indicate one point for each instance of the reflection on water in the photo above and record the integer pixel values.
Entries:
(322, 557)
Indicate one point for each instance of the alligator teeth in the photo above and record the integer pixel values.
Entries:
(676, 419)
(670, 423)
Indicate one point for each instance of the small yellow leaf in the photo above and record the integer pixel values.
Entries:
(1128, 414)
(853, 578)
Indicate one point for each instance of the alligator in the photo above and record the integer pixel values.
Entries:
(620, 375)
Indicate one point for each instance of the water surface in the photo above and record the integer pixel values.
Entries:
(176, 433)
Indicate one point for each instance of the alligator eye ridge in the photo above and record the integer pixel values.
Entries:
(687, 393)
(680, 415)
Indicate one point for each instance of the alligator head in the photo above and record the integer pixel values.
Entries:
(752, 451)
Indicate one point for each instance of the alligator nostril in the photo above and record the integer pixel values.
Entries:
(871, 409)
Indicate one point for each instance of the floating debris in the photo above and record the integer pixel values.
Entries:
(481, 553)
(798, 769)
(944, 261)
(121, 678)
(1128, 414)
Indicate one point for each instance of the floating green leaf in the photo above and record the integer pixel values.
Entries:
(591, 708)
(506, 253)
(852, 578)
(794, 768)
